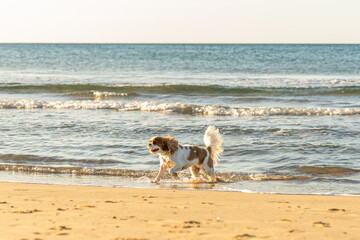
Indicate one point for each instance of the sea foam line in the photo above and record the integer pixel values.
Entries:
(227, 177)
(149, 106)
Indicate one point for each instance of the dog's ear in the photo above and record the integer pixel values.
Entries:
(165, 146)
(171, 144)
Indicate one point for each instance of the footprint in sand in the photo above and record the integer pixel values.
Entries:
(336, 210)
(186, 224)
(191, 224)
(120, 202)
(88, 206)
(322, 224)
(243, 236)
(27, 211)
(60, 230)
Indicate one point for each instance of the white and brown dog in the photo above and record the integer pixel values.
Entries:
(177, 157)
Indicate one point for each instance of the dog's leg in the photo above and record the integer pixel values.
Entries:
(195, 170)
(174, 169)
(210, 173)
(161, 173)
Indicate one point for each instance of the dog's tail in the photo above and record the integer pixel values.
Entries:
(213, 140)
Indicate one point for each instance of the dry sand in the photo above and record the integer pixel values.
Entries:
(34, 211)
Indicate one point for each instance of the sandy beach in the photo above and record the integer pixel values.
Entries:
(34, 211)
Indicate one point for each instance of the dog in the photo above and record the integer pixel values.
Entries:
(177, 157)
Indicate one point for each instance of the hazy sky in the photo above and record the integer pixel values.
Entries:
(180, 21)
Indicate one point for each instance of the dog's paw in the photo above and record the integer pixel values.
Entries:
(174, 174)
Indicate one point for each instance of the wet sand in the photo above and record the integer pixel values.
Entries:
(34, 211)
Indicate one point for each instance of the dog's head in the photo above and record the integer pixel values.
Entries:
(163, 145)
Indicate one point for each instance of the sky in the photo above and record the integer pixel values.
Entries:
(180, 21)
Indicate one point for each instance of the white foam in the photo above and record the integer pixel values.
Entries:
(100, 95)
(150, 106)
(143, 180)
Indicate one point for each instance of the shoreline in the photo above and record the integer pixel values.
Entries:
(40, 211)
(245, 191)
(143, 181)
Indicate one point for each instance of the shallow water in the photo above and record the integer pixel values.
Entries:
(83, 113)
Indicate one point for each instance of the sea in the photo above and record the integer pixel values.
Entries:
(82, 114)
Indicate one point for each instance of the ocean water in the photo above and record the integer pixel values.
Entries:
(82, 114)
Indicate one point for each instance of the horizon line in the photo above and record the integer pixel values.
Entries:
(184, 43)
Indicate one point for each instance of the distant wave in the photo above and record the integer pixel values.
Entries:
(178, 108)
(88, 90)
(30, 159)
(321, 171)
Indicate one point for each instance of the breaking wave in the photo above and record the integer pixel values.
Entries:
(228, 177)
(97, 95)
(184, 176)
(178, 108)
(33, 164)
